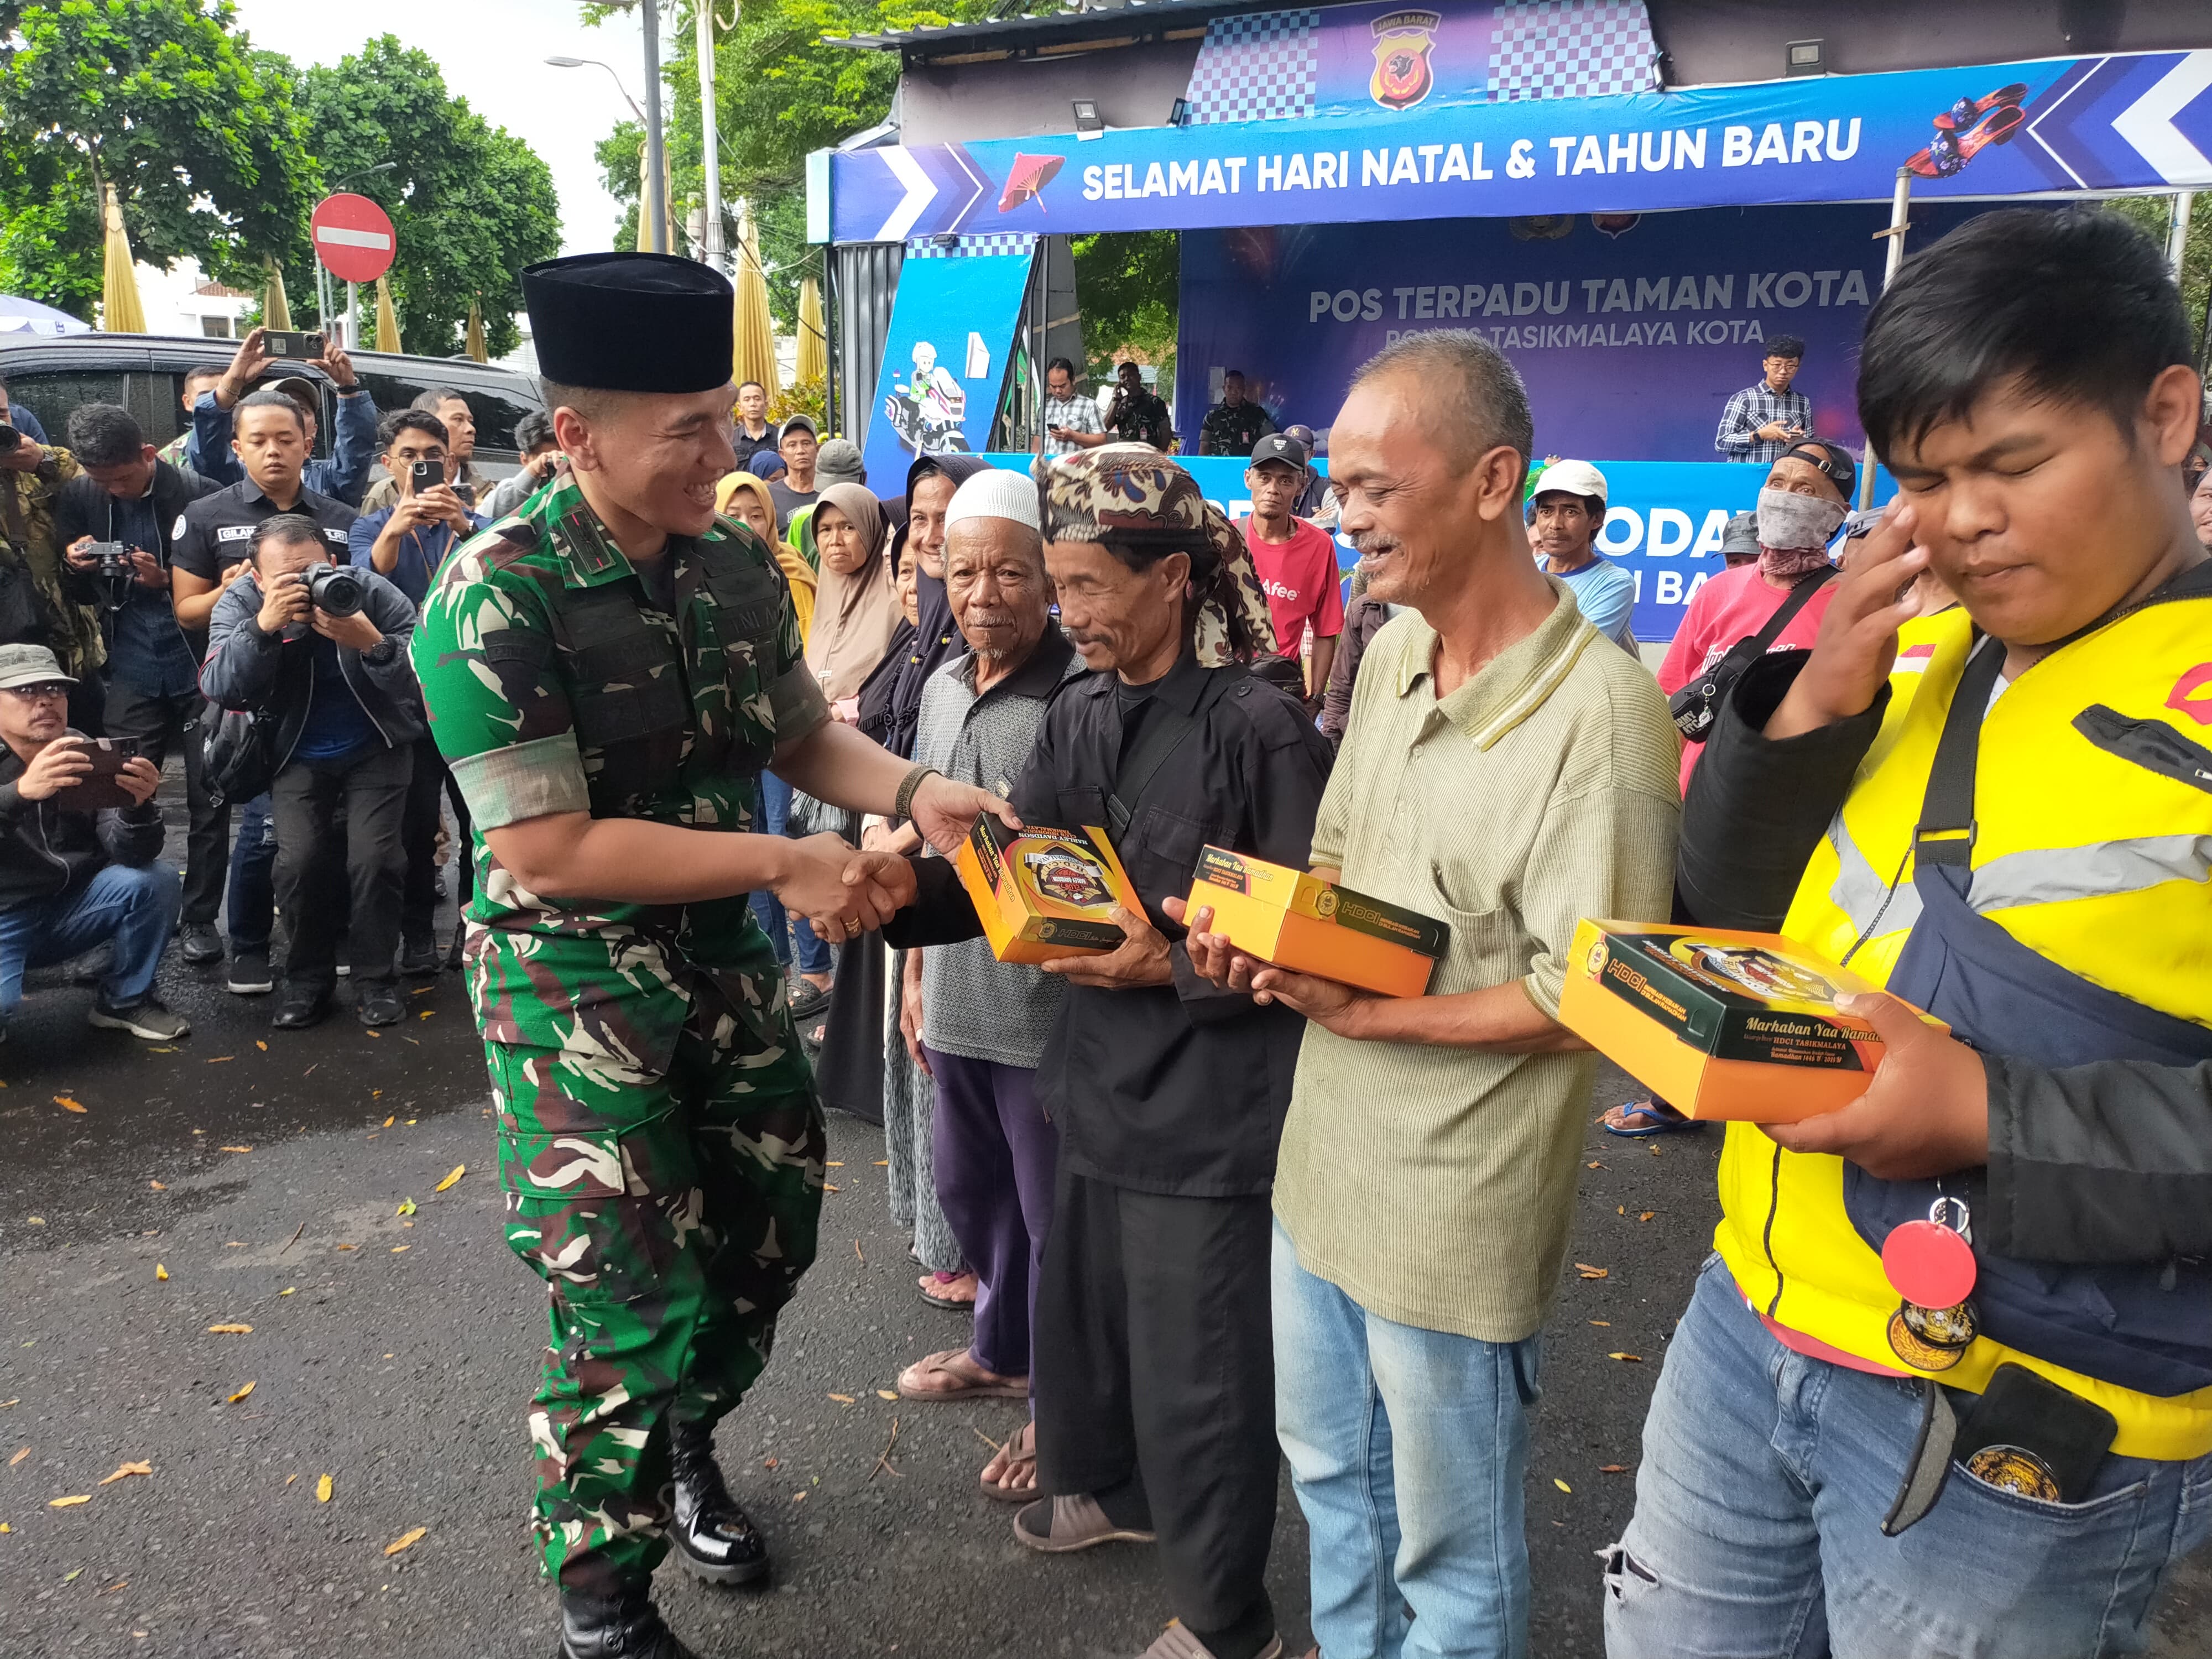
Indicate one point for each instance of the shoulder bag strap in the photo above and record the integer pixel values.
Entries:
(1945, 834)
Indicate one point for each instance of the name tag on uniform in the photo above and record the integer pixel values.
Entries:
(338, 536)
(234, 532)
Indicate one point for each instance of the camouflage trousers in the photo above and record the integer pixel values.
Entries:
(671, 1217)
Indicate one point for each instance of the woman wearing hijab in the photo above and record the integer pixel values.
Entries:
(744, 497)
(856, 609)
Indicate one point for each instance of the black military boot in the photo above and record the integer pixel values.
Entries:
(712, 1536)
(625, 1627)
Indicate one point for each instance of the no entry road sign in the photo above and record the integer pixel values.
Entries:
(353, 238)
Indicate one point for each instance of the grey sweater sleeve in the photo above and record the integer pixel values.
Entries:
(130, 834)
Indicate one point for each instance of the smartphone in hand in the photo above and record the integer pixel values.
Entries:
(280, 342)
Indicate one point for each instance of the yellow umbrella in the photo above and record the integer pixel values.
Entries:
(121, 312)
(755, 330)
(813, 343)
(475, 346)
(387, 320)
(275, 312)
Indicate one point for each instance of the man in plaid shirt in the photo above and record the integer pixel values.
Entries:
(1763, 420)
(1071, 420)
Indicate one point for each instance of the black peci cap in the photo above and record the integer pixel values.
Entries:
(631, 322)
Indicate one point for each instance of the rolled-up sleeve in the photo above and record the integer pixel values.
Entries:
(484, 656)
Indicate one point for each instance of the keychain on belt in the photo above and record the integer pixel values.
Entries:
(1930, 1265)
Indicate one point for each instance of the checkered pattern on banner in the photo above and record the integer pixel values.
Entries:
(987, 245)
(1570, 49)
(1261, 67)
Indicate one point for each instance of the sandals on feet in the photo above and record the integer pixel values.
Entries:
(1638, 1120)
(954, 1374)
(955, 1292)
(1016, 1457)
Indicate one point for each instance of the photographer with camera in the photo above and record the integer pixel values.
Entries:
(321, 652)
(214, 451)
(407, 542)
(115, 522)
(73, 876)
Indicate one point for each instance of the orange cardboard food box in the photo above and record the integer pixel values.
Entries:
(1298, 921)
(1720, 1025)
(1043, 893)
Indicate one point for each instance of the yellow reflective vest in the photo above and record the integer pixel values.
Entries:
(2092, 846)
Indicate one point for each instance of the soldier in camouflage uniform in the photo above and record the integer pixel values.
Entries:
(37, 611)
(607, 671)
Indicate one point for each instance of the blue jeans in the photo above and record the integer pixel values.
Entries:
(813, 950)
(135, 910)
(1408, 1449)
(1758, 1507)
(252, 876)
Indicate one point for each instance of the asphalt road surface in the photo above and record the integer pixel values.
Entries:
(393, 1353)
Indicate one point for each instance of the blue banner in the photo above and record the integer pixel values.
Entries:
(945, 355)
(1631, 329)
(1662, 523)
(2136, 121)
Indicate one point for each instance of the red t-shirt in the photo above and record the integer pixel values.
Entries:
(1732, 607)
(1303, 582)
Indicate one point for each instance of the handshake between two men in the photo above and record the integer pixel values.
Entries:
(844, 891)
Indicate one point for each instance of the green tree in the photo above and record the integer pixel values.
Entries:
(780, 91)
(471, 203)
(161, 99)
(1127, 282)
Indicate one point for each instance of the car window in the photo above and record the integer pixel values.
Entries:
(51, 394)
(495, 411)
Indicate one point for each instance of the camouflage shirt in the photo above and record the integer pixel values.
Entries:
(27, 536)
(557, 682)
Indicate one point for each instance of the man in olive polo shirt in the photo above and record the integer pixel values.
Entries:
(1508, 772)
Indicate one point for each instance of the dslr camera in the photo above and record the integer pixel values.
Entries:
(112, 560)
(8, 437)
(335, 590)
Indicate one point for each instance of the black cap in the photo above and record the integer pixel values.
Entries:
(1280, 447)
(631, 322)
(1832, 459)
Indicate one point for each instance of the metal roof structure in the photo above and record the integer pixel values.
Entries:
(1052, 34)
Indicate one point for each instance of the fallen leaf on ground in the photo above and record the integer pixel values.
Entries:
(406, 1207)
(1620, 1209)
(1589, 1272)
(72, 1577)
(397, 1248)
(387, 1122)
(259, 1044)
(459, 1170)
(232, 1330)
(288, 1289)
(289, 1478)
(1632, 1358)
(426, 1013)
(68, 1502)
(1562, 1486)
(36, 1220)
(842, 1399)
(1647, 1215)
(241, 1394)
(886, 1393)
(1655, 1152)
(828, 1188)
(1613, 1469)
(219, 1059)
(67, 1104)
(347, 1247)
(160, 1272)
(1602, 1324)
(834, 1163)
(883, 1164)
(120, 1584)
(769, 1463)
(157, 1186)
(406, 1540)
(126, 1470)
(4, 1527)
(799, 1497)
(322, 1489)
(18, 1457)
(233, 1149)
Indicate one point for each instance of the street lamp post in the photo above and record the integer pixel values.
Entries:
(652, 201)
(709, 147)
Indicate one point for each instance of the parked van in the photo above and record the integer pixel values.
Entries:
(145, 374)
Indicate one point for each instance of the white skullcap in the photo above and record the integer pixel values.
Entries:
(997, 493)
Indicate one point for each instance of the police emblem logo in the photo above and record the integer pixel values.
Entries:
(2014, 1470)
(1059, 871)
(1403, 41)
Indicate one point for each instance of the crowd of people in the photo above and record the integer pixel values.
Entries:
(712, 713)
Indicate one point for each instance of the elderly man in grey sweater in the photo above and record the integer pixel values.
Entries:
(977, 1025)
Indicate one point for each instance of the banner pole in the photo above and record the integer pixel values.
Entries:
(1900, 206)
(2176, 239)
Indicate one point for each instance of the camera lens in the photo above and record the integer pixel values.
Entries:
(335, 591)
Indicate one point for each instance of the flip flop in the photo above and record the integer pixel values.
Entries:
(949, 1303)
(1016, 1459)
(1656, 1120)
(967, 1383)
